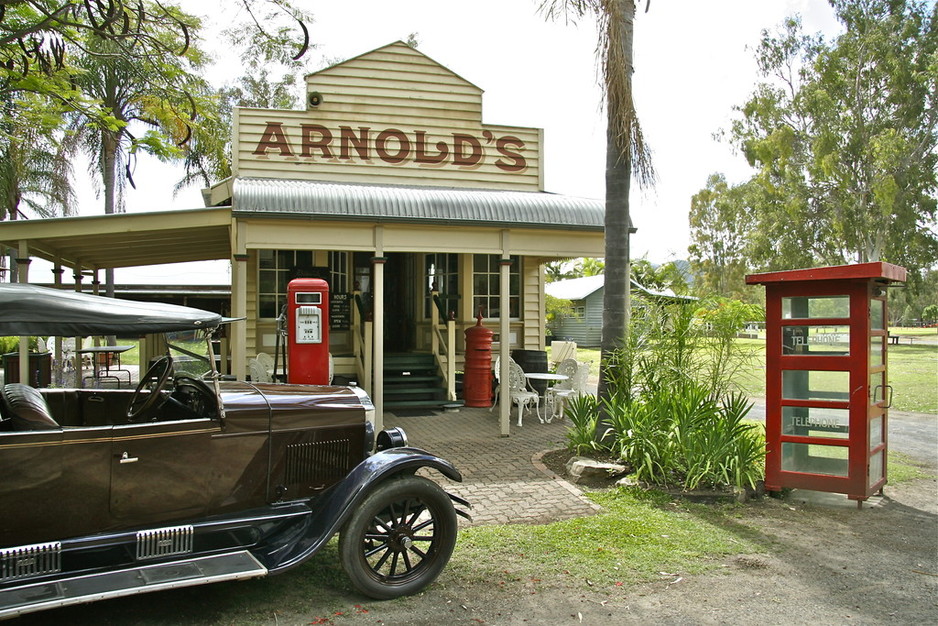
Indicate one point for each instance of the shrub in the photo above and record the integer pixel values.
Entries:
(12, 344)
(671, 412)
(583, 414)
(683, 436)
(930, 313)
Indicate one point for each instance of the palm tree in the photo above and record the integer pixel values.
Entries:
(132, 89)
(34, 175)
(627, 155)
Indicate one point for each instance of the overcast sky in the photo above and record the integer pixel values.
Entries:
(693, 63)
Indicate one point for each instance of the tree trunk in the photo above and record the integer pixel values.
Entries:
(618, 183)
(109, 145)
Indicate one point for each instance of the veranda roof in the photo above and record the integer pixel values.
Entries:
(425, 205)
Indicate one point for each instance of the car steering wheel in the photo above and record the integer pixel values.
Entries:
(201, 402)
(156, 378)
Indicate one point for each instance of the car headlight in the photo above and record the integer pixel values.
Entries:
(391, 438)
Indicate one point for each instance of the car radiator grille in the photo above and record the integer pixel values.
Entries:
(317, 461)
(160, 542)
(26, 561)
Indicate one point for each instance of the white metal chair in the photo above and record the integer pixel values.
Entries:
(520, 393)
(575, 385)
(268, 362)
(265, 359)
(259, 373)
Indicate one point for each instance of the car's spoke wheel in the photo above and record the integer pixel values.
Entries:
(399, 539)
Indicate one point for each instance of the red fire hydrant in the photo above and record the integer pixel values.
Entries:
(477, 379)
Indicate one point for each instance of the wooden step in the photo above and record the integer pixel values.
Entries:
(415, 404)
(410, 379)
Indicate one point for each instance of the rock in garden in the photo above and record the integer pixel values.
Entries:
(581, 469)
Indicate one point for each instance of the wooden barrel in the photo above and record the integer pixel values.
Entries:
(532, 361)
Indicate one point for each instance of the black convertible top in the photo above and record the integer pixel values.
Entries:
(32, 310)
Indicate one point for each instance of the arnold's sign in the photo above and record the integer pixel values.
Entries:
(392, 146)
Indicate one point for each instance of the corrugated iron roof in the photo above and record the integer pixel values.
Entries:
(414, 204)
(575, 288)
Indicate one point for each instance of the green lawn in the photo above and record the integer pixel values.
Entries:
(636, 537)
(913, 370)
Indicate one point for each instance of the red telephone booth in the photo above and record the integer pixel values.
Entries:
(826, 377)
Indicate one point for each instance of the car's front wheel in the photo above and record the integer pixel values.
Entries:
(399, 539)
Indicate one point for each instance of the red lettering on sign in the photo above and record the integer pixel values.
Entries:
(310, 142)
(517, 161)
(349, 139)
(460, 156)
(273, 139)
(423, 156)
(394, 146)
(381, 146)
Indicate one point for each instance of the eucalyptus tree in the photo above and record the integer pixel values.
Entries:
(270, 80)
(38, 36)
(721, 219)
(843, 136)
(627, 155)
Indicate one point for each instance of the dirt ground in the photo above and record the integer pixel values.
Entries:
(824, 562)
(821, 561)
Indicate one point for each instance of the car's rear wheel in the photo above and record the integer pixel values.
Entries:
(399, 539)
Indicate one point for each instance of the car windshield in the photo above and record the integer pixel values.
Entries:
(190, 352)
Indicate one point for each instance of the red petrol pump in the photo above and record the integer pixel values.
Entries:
(827, 396)
(308, 331)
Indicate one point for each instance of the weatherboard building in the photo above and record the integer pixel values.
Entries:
(389, 186)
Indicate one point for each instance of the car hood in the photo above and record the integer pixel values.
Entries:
(293, 406)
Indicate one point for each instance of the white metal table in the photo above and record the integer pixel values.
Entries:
(550, 378)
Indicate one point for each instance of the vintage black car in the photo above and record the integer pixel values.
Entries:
(190, 479)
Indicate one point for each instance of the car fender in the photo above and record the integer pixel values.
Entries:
(331, 510)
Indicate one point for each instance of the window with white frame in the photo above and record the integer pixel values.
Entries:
(338, 272)
(486, 286)
(277, 267)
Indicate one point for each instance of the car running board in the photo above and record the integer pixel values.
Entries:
(91, 587)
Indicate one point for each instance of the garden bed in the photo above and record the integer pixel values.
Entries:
(556, 462)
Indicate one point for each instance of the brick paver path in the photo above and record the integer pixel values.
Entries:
(502, 477)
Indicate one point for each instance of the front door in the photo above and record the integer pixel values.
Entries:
(399, 319)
